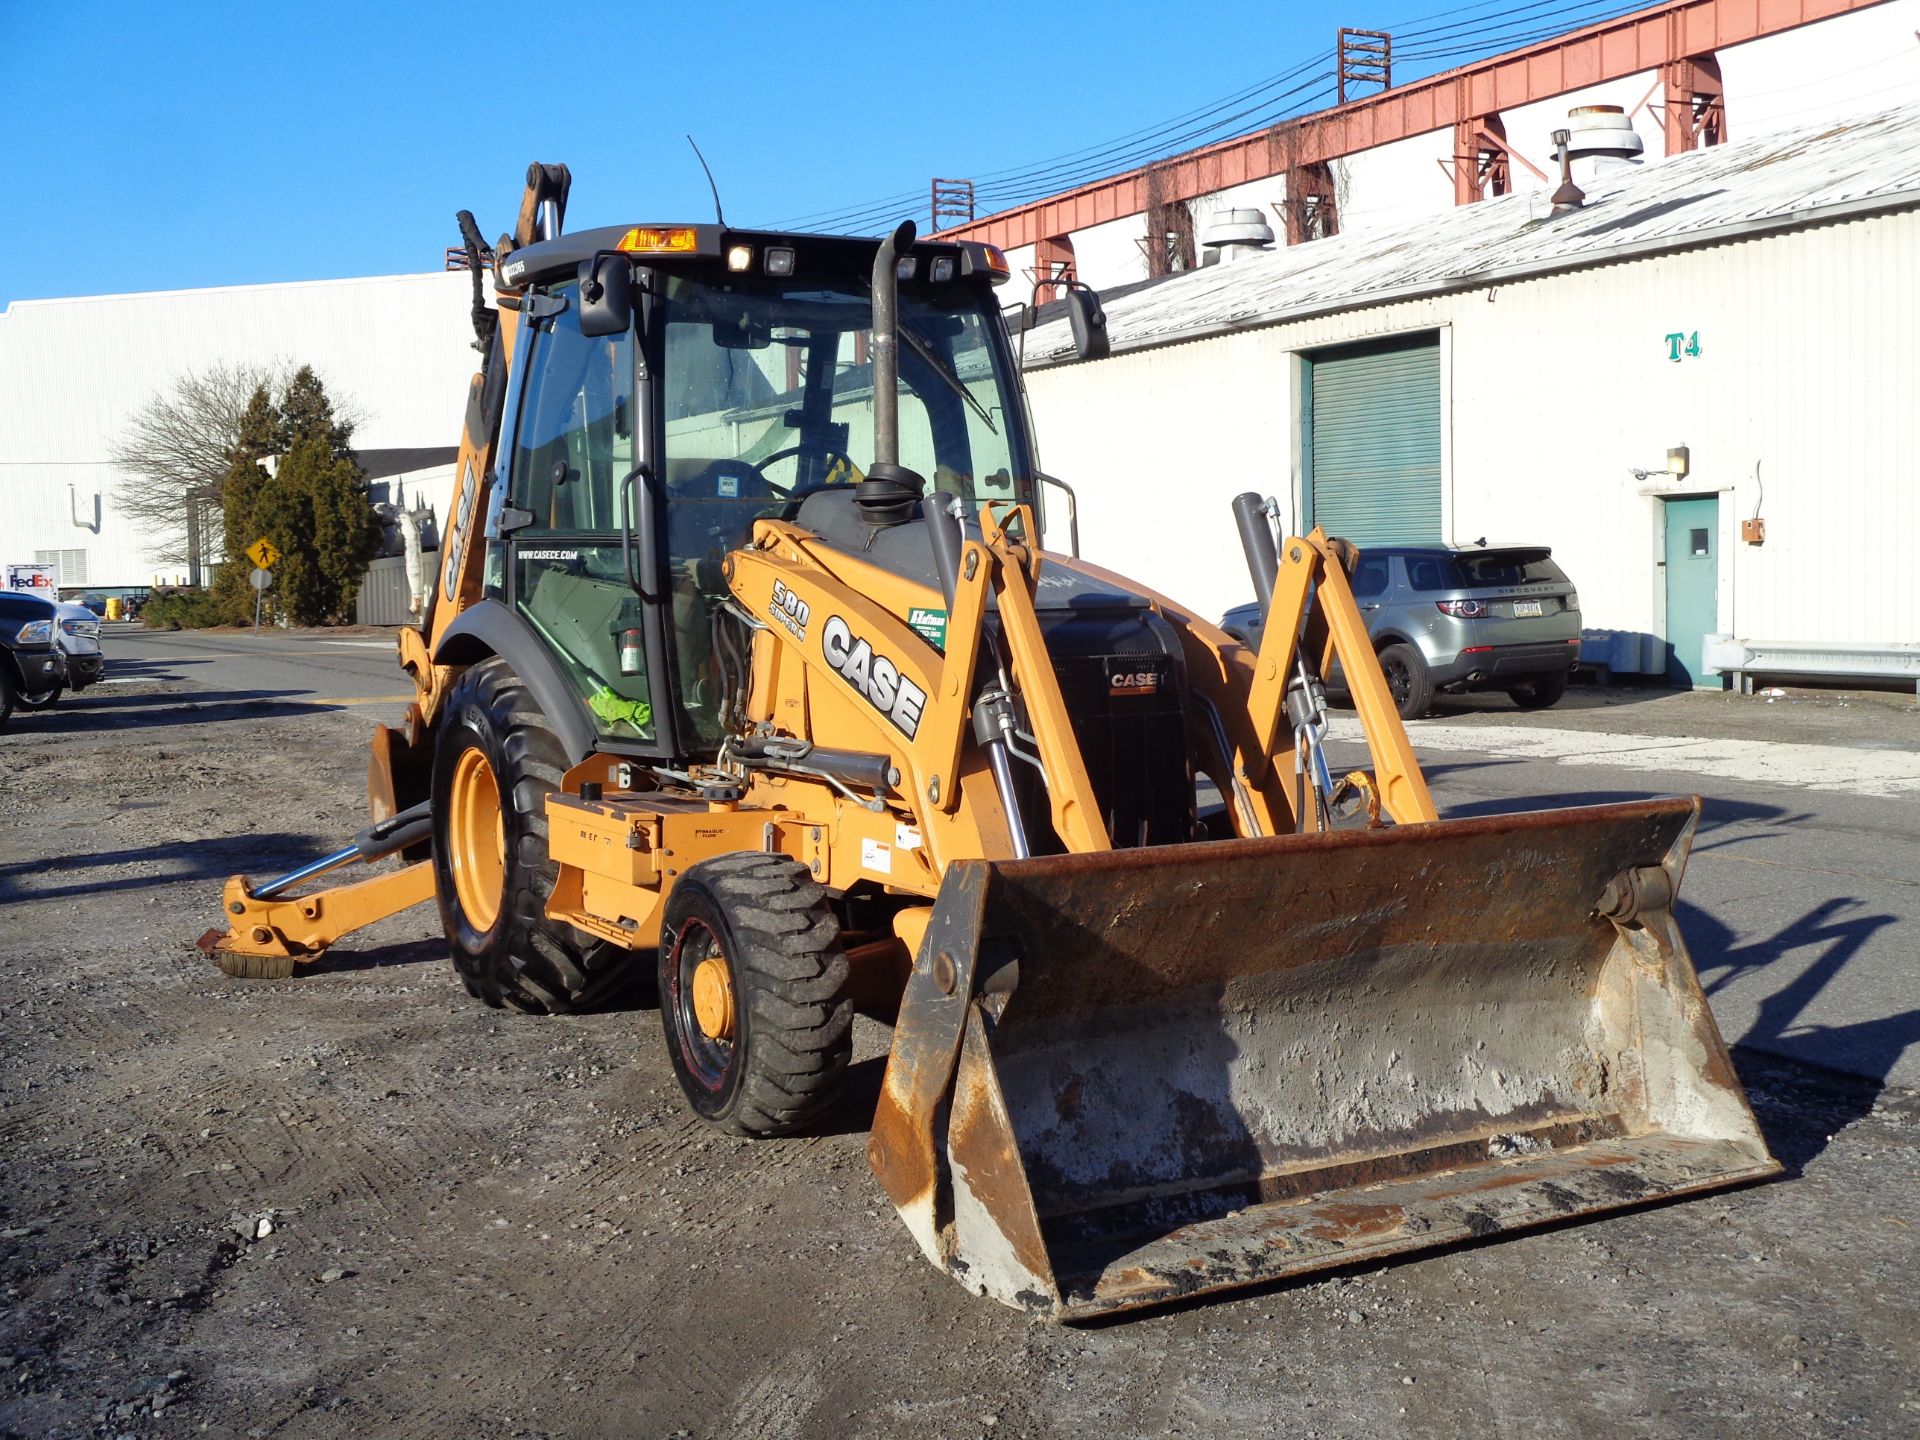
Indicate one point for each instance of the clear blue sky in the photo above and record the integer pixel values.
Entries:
(191, 143)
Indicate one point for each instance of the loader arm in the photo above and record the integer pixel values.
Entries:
(1076, 811)
(1312, 587)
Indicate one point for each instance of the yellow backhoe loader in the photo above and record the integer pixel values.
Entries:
(745, 670)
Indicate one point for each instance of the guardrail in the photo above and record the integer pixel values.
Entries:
(1744, 659)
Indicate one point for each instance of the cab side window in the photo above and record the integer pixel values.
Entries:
(574, 441)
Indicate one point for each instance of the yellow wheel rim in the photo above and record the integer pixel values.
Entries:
(713, 999)
(477, 840)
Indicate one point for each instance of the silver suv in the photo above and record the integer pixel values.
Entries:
(1499, 618)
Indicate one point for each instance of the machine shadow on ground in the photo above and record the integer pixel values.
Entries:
(91, 714)
(184, 861)
(345, 959)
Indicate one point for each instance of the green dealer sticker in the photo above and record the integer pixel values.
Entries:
(930, 624)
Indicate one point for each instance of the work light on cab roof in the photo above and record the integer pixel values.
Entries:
(653, 240)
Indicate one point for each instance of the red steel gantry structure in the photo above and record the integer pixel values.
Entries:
(1677, 41)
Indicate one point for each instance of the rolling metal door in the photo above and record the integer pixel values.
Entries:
(1374, 441)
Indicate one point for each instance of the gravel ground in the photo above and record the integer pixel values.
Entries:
(357, 1203)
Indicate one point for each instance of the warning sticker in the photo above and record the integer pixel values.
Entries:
(905, 837)
(876, 857)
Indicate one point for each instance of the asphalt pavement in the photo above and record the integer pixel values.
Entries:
(1801, 904)
(273, 671)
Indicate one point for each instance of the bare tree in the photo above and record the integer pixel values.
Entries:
(174, 456)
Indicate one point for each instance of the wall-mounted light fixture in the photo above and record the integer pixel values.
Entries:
(1679, 465)
(82, 521)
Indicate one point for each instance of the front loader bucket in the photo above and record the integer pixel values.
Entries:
(1126, 1078)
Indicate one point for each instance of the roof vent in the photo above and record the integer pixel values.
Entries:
(1236, 232)
(1569, 196)
(1603, 131)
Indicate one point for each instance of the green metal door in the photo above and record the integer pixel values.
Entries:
(1373, 441)
(1693, 586)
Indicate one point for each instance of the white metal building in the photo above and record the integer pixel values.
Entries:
(74, 372)
(1493, 371)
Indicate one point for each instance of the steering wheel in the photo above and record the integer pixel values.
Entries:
(799, 493)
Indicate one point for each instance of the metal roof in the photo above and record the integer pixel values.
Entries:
(1784, 180)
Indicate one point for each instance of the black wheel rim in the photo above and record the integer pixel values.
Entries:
(707, 1060)
(1399, 681)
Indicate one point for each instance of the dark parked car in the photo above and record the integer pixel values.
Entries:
(77, 632)
(1494, 618)
(31, 661)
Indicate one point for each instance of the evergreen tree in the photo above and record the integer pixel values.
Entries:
(307, 414)
(313, 508)
(241, 492)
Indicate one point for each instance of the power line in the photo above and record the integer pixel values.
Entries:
(1473, 30)
(1055, 177)
(1103, 149)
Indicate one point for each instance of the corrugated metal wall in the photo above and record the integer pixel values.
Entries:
(1799, 404)
(383, 591)
(396, 350)
(1373, 441)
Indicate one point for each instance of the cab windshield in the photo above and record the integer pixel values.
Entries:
(780, 382)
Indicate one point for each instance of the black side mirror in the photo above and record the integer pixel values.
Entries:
(606, 295)
(1089, 323)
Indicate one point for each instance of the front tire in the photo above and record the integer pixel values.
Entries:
(496, 762)
(45, 700)
(7, 690)
(1408, 679)
(753, 994)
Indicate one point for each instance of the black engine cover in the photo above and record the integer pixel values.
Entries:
(1122, 676)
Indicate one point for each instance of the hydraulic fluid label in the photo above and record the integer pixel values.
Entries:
(877, 677)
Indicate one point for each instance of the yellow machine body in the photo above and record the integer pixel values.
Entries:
(1121, 1077)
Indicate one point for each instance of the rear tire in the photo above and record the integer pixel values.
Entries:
(45, 700)
(7, 690)
(762, 1038)
(1539, 694)
(1408, 680)
(496, 762)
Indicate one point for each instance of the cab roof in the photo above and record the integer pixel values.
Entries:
(705, 246)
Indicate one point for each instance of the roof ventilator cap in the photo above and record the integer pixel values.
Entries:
(1235, 232)
(1602, 141)
(1602, 130)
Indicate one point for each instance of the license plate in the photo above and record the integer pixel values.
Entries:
(1526, 607)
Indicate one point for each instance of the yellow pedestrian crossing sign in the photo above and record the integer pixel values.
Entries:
(264, 553)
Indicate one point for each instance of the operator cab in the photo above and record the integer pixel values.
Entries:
(679, 384)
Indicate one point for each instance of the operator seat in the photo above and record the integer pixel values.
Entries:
(712, 510)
